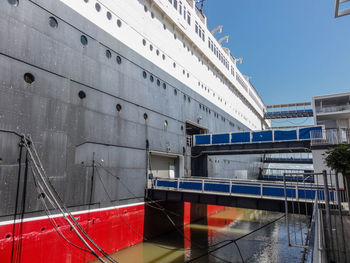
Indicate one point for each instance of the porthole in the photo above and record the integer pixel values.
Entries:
(119, 23)
(86, 1)
(97, 7)
(157, 52)
(188, 75)
(108, 54)
(184, 45)
(83, 40)
(144, 42)
(182, 127)
(165, 123)
(53, 22)
(183, 72)
(145, 116)
(152, 15)
(109, 15)
(189, 99)
(8, 236)
(150, 47)
(163, 56)
(118, 107)
(175, 92)
(158, 82)
(82, 94)
(151, 78)
(164, 26)
(144, 74)
(42, 229)
(118, 59)
(145, 8)
(175, 36)
(199, 83)
(174, 65)
(164, 86)
(29, 78)
(13, 2)
(185, 97)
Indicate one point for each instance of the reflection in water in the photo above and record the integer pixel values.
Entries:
(194, 242)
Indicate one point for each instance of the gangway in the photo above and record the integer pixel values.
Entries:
(294, 110)
(297, 140)
(266, 141)
(254, 194)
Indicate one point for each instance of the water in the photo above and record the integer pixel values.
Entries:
(208, 240)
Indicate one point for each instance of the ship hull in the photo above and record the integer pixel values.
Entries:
(97, 154)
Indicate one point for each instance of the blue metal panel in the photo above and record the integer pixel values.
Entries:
(240, 137)
(262, 136)
(243, 189)
(202, 139)
(166, 184)
(272, 191)
(217, 187)
(285, 135)
(304, 133)
(190, 185)
(220, 138)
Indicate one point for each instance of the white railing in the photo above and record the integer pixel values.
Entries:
(327, 109)
(330, 137)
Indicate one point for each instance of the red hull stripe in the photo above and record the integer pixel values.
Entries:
(111, 228)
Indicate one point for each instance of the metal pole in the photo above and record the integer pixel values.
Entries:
(328, 216)
(286, 206)
(340, 213)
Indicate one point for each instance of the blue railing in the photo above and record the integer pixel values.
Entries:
(250, 188)
(305, 112)
(277, 135)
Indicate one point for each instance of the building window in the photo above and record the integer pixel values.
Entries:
(180, 8)
(188, 18)
(119, 23)
(175, 4)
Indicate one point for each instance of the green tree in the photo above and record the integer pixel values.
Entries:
(338, 158)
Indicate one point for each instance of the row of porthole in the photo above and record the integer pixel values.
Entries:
(109, 56)
(174, 64)
(82, 95)
(108, 14)
(151, 48)
(151, 77)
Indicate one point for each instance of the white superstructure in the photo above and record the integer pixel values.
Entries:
(174, 36)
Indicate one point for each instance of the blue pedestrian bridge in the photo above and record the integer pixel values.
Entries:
(274, 135)
(255, 194)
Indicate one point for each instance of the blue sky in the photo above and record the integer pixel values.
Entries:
(292, 50)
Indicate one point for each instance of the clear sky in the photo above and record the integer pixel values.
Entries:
(292, 49)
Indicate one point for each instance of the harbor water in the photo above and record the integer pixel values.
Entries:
(230, 235)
